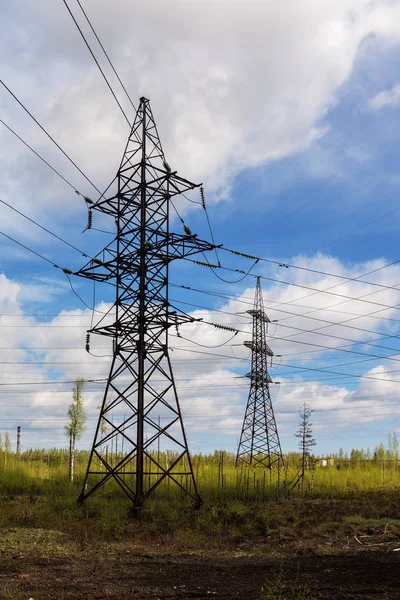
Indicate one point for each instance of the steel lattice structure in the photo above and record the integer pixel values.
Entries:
(259, 441)
(140, 405)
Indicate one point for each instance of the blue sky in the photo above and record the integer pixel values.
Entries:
(289, 115)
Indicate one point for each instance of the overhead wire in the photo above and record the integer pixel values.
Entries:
(229, 250)
(38, 155)
(213, 269)
(342, 323)
(205, 345)
(317, 333)
(280, 339)
(318, 271)
(318, 291)
(183, 287)
(106, 54)
(30, 250)
(321, 346)
(49, 136)
(241, 300)
(97, 62)
(45, 229)
(290, 283)
(390, 212)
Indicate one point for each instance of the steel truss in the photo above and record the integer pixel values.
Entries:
(140, 406)
(259, 440)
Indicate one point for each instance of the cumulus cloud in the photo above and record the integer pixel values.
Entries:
(231, 88)
(42, 357)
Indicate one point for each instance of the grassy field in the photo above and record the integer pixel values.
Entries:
(343, 509)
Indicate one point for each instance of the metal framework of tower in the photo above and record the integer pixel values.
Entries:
(259, 440)
(140, 407)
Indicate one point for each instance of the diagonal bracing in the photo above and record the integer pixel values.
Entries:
(259, 440)
(140, 409)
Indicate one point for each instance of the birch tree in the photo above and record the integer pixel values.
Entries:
(77, 421)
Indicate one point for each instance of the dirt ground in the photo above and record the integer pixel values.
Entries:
(130, 575)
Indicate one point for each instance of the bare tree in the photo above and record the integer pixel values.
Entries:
(304, 433)
(77, 420)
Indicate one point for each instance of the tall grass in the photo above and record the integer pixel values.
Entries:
(239, 503)
(217, 477)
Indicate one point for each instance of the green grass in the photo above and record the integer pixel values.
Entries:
(283, 586)
(242, 507)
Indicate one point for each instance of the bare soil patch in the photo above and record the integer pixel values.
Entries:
(367, 575)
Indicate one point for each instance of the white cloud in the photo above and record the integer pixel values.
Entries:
(211, 387)
(385, 98)
(231, 88)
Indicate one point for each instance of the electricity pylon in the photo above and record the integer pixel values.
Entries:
(140, 406)
(259, 441)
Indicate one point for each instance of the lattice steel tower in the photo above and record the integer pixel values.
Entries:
(259, 440)
(140, 407)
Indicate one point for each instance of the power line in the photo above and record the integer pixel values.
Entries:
(305, 331)
(344, 323)
(331, 348)
(226, 249)
(315, 293)
(30, 250)
(301, 368)
(48, 135)
(39, 156)
(338, 348)
(96, 61)
(3, 384)
(219, 417)
(108, 58)
(330, 323)
(243, 301)
(316, 271)
(361, 376)
(290, 283)
(40, 256)
(339, 312)
(44, 229)
(360, 228)
(280, 263)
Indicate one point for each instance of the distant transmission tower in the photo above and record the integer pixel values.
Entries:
(259, 440)
(140, 408)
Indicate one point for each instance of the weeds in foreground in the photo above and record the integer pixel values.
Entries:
(280, 589)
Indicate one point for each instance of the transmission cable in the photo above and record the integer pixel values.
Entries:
(313, 344)
(344, 323)
(44, 229)
(30, 250)
(213, 267)
(49, 136)
(92, 308)
(316, 271)
(38, 155)
(226, 249)
(107, 56)
(242, 301)
(205, 345)
(299, 367)
(289, 283)
(359, 228)
(337, 348)
(66, 272)
(97, 62)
